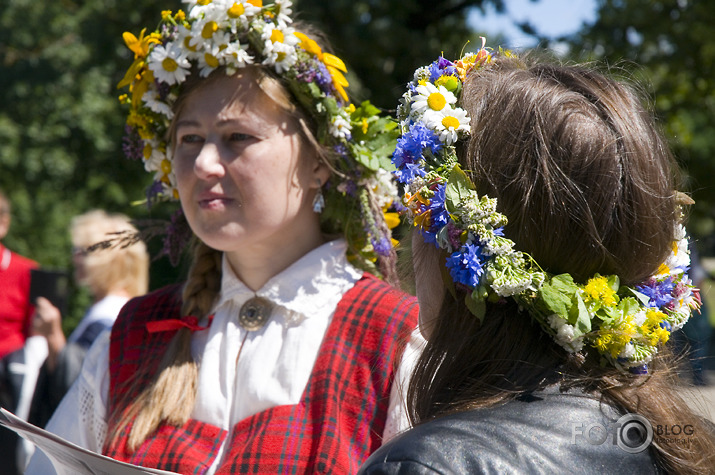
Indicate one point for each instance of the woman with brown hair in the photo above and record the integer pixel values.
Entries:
(281, 351)
(545, 334)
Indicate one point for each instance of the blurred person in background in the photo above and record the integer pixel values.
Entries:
(113, 274)
(15, 320)
(15, 306)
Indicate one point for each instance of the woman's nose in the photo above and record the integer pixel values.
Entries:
(208, 163)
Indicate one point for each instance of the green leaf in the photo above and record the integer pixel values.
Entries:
(579, 316)
(459, 187)
(557, 295)
(476, 306)
(629, 306)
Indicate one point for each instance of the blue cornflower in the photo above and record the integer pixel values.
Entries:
(438, 214)
(408, 172)
(658, 293)
(465, 265)
(638, 369)
(411, 145)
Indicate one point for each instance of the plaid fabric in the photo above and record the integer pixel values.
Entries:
(339, 420)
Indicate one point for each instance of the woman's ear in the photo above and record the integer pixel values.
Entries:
(321, 174)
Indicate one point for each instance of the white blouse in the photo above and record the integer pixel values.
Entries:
(274, 365)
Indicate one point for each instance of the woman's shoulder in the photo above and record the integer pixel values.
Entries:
(151, 306)
(369, 283)
(382, 300)
(169, 294)
(542, 432)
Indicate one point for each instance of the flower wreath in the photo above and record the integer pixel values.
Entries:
(233, 34)
(624, 324)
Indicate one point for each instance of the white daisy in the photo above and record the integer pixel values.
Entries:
(210, 60)
(284, 12)
(236, 55)
(431, 98)
(448, 123)
(169, 63)
(239, 14)
(279, 47)
(340, 127)
(383, 187)
(153, 155)
(152, 100)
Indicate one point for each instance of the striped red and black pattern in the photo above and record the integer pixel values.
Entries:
(339, 420)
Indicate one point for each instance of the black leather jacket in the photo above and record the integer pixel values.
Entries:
(546, 432)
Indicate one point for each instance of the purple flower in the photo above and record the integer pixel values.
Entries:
(465, 265)
(382, 246)
(441, 67)
(153, 191)
(132, 144)
(658, 293)
(315, 71)
(177, 237)
(454, 235)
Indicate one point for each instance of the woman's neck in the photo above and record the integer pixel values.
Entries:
(257, 265)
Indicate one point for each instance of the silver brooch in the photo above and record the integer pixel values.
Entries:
(254, 314)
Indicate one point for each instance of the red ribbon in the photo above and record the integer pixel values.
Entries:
(171, 324)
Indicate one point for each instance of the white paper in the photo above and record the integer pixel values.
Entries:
(69, 458)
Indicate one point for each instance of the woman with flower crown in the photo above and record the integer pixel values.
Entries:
(546, 334)
(277, 354)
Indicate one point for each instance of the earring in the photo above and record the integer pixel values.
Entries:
(319, 201)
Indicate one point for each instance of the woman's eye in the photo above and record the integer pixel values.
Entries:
(191, 138)
(239, 137)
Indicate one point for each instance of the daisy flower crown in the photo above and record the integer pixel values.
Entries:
(625, 325)
(233, 34)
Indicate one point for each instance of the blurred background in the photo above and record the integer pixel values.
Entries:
(61, 124)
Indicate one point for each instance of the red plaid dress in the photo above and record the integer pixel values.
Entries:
(339, 420)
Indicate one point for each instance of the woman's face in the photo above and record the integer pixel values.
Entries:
(245, 180)
(428, 282)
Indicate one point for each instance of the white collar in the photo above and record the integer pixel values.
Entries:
(303, 287)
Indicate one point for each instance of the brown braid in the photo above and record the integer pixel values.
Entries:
(171, 396)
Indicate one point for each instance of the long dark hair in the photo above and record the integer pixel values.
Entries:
(587, 181)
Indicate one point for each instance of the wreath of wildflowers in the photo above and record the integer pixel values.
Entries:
(232, 34)
(624, 324)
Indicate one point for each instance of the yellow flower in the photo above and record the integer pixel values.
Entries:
(597, 288)
(335, 65)
(140, 46)
(392, 219)
(602, 342)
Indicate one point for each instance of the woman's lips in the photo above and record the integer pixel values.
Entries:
(214, 201)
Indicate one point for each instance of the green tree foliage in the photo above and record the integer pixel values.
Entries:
(668, 43)
(61, 124)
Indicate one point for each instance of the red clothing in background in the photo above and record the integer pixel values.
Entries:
(15, 307)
